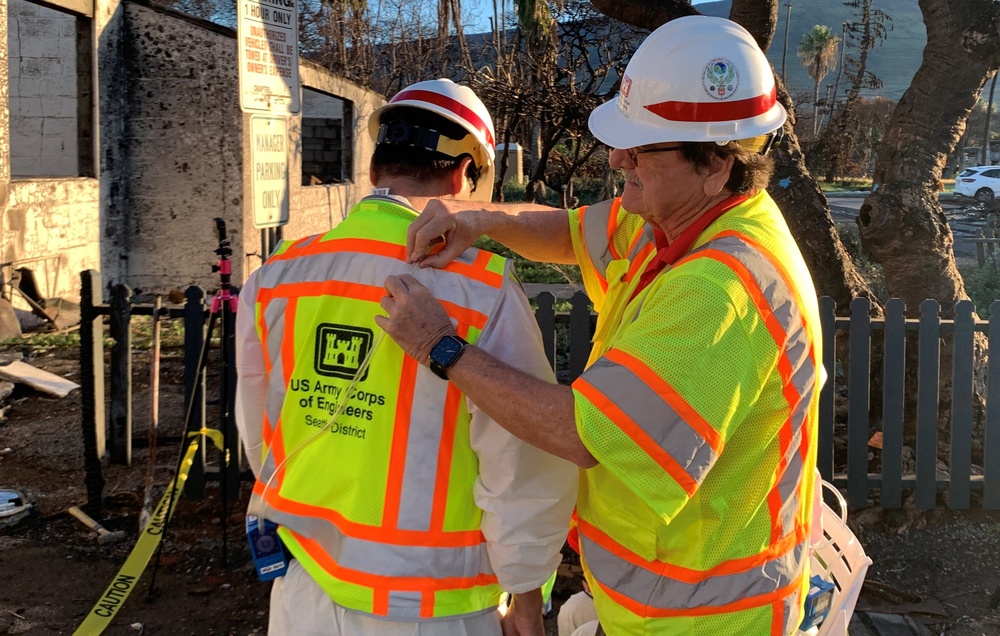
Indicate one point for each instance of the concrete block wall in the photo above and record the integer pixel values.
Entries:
(42, 78)
(323, 152)
(50, 225)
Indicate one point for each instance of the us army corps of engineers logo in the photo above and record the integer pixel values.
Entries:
(340, 350)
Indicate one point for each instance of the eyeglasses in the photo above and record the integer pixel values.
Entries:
(633, 153)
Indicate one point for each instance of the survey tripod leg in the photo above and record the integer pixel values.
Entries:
(223, 312)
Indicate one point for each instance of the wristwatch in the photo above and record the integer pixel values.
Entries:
(445, 354)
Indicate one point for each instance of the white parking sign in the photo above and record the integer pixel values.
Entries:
(269, 170)
(268, 33)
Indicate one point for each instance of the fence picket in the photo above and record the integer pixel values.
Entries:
(859, 386)
(928, 392)
(92, 387)
(545, 316)
(961, 406)
(991, 443)
(579, 334)
(827, 404)
(894, 382)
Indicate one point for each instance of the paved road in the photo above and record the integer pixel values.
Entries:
(965, 219)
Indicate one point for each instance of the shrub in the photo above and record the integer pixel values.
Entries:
(982, 284)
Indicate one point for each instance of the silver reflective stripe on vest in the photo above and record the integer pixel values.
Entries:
(663, 592)
(654, 415)
(417, 497)
(384, 559)
(796, 353)
(595, 233)
(645, 239)
(372, 269)
(274, 317)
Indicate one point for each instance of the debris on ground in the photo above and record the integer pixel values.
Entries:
(22, 372)
(10, 327)
(14, 508)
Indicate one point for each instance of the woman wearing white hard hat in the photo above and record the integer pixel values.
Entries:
(694, 423)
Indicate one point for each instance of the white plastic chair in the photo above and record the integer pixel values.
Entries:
(837, 556)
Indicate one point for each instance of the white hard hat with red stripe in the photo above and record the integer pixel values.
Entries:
(696, 78)
(461, 105)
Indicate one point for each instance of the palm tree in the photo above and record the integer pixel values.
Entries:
(818, 52)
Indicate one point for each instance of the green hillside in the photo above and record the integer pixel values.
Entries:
(894, 62)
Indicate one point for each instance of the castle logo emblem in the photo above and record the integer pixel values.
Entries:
(340, 350)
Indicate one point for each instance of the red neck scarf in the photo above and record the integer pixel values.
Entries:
(670, 252)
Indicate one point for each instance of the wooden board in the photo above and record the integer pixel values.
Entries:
(24, 373)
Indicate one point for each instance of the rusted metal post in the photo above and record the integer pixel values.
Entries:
(92, 387)
(121, 375)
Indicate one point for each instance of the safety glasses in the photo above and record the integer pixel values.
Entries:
(633, 153)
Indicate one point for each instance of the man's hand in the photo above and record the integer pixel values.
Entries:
(444, 222)
(524, 617)
(416, 319)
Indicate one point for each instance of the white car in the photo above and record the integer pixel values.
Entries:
(981, 183)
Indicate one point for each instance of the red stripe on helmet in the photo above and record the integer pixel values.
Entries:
(715, 111)
(453, 105)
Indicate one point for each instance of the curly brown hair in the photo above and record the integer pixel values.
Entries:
(751, 170)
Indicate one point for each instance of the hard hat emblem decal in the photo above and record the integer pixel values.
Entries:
(623, 95)
(720, 78)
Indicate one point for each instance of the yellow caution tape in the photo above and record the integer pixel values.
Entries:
(114, 596)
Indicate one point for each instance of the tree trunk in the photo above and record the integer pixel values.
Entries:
(808, 215)
(816, 105)
(902, 224)
(840, 72)
(986, 132)
(792, 187)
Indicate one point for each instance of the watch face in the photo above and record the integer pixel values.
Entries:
(446, 351)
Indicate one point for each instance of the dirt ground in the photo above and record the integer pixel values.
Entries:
(942, 568)
(52, 569)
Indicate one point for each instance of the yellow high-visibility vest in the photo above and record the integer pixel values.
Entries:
(379, 509)
(700, 402)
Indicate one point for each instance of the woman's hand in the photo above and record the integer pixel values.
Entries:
(445, 229)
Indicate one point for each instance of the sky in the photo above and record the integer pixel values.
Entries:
(479, 12)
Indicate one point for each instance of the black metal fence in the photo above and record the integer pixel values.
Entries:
(114, 436)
